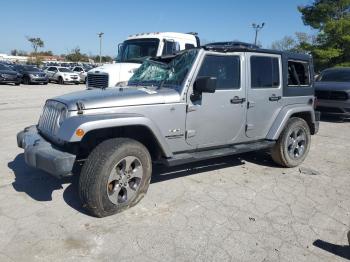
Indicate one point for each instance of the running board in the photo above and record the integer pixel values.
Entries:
(183, 158)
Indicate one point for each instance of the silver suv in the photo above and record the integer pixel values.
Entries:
(217, 100)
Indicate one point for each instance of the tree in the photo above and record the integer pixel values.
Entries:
(76, 56)
(104, 59)
(331, 18)
(36, 42)
(299, 43)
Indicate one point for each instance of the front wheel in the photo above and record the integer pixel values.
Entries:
(60, 81)
(115, 176)
(293, 144)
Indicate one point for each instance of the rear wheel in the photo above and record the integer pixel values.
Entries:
(293, 144)
(115, 176)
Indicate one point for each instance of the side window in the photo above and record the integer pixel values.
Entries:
(170, 47)
(189, 46)
(54, 69)
(298, 73)
(264, 72)
(226, 69)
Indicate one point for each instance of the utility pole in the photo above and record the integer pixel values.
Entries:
(257, 28)
(100, 36)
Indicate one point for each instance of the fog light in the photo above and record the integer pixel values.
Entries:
(80, 132)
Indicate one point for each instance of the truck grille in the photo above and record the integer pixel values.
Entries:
(48, 122)
(332, 95)
(97, 80)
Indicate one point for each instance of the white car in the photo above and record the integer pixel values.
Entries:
(62, 75)
(81, 71)
(133, 51)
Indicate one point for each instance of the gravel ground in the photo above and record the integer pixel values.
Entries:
(241, 208)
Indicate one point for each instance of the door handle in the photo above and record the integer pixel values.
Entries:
(274, 98)
(237, 100)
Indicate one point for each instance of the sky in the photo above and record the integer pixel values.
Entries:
(66, 24)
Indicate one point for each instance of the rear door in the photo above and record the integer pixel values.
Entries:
(218, 118)
(264, 93)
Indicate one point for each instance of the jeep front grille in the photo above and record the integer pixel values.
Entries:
(332, 95)
(49, 119)
(97, 80)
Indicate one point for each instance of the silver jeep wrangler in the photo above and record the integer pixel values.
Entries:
(217, 100)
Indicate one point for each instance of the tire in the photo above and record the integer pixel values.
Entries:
(293, 144)
(104, 192)
(60, 81)
(26, 80)
(17, 84)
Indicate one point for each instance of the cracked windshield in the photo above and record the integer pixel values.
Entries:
(159, 74)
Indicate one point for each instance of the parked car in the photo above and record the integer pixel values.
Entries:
(7, 76)
(133, 51)
(82, 71)
(31, 74)
(332, 89)
(62, 75)
(203, 103)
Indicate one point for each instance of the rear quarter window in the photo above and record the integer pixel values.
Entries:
(298, 73)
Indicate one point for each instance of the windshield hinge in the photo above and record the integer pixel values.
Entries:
(80, 107)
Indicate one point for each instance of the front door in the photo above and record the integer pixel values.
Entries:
(264, 93)
(218, 118)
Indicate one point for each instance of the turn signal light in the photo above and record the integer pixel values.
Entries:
(80, 132)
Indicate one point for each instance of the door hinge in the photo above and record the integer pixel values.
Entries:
(190, 133)
(191, 108)
(249, 127)
(250, 104)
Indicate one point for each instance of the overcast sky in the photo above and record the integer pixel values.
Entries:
(64, 25)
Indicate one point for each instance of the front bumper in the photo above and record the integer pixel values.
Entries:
(334, 107)
(10, 80)
(39, 80)
(41, 154)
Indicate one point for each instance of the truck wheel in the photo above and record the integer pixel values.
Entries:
(293, 144)
(115, 176)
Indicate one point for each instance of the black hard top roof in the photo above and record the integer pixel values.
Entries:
(235, 46)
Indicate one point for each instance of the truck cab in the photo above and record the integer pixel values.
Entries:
(133, 51)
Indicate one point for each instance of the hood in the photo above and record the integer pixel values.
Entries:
(332, 86)
(70, 73)
(114, 97)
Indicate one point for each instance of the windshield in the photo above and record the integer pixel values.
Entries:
(153, 73)
(64, 70)
(31, 69)
(335, 76)
(137, 50)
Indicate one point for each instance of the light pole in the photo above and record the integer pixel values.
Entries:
(100, 36)
(257, 28)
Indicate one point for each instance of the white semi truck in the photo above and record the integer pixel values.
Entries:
(133, 51)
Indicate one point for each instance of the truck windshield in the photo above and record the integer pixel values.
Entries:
(172, 74)
(137, 50)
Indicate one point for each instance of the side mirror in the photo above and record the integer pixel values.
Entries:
(205, 84)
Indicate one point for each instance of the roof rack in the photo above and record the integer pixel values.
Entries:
(230, 46)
